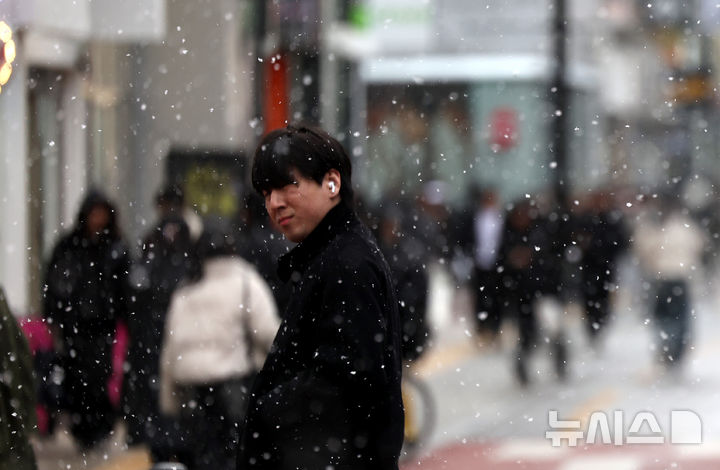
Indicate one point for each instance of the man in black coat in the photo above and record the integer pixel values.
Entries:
(328, 395)
(166, 261)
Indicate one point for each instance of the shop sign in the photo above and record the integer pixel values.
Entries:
(396, 26)
(7, 53)
(503, 129)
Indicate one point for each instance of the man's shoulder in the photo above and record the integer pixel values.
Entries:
(353, 250)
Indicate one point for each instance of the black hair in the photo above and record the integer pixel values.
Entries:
(310, 151)
(214, 243)
(96, 198)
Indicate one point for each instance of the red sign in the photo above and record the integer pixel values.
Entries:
(503, 129)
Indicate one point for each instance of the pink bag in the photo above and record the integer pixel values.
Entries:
(119, 352)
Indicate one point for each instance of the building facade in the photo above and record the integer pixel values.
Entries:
(101, 91)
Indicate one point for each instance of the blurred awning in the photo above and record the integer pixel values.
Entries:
(107, 20)
(454, 68)
(421, 69)
(128, 20)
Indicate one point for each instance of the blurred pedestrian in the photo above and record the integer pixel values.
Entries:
(602, 238)
(219, 329)
(171, 201)
(328, 395)
(549, 238)
(17, 394)
(167, 259)
(531, 273)
(85, 294)
(518, 285)
(481, 234)
(406, 256)
(670, 247)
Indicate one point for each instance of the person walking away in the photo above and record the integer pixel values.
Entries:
(218, 330)
(406, 257)
(17, 394)
(518, 284)
(670, 250)
(329, 394)
(603, 239)
(171, 201)
(166, 261)
(549, 237)
(85, 294)
(485, 231)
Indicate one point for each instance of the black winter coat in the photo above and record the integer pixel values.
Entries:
(86, 292)
(328, 395)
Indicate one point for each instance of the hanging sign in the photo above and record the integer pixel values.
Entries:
(7, 53)
(503, 129)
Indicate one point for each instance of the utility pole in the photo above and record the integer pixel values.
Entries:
(559, 103)
(260, 30)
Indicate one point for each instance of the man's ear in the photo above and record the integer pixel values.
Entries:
(332, 182)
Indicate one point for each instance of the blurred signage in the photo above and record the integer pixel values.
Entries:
(709, 16)
(294, 22)
(503, 129)
(693, 88)
(7, 53)
(210, 190)
(128, 20)
(667, 12)
(212, 180)
(68, 18)
(493, 26)
(620, 13)
(113, 20)
(396, 25)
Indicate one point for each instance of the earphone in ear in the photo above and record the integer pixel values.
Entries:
(332, 186)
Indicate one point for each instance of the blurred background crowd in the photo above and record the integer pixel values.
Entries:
(524, 153)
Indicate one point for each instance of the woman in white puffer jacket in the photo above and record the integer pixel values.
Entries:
(218, 331)
(669, 244)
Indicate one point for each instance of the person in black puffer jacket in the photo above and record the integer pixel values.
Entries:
(85, 294)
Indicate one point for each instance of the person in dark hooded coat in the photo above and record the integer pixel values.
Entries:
(85, 294)
(406, 257)
(328, 395)
(166, 261)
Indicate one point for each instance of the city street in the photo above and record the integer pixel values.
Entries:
(517, 146)
(485, 420)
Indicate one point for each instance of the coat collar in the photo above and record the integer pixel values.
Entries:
(339, 219)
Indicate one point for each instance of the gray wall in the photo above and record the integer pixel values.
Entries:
(194, 91)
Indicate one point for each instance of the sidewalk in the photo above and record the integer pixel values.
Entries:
(539, 455)
(452, 342)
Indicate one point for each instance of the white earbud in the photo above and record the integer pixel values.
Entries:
(332, 186)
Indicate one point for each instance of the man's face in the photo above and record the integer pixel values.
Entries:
(297, 208)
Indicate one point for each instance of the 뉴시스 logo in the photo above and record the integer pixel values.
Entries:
(644, 428)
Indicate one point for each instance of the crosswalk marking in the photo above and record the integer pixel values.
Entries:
(701, 451)
(538, 454)
(603, 463)
(529, 449)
